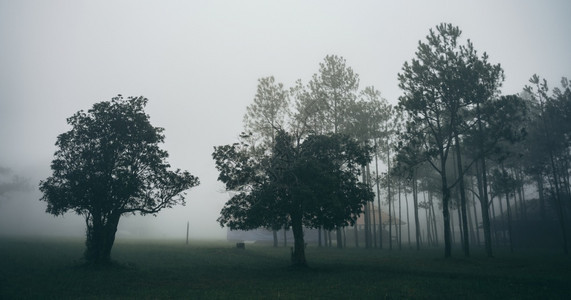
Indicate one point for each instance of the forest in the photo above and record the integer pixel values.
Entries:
(478, 168)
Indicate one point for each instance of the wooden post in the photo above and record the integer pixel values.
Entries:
(187, 228)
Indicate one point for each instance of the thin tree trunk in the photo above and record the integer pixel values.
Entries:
(484, 195)
(539, 180)
(466, 244)
(475, 213)
(407, 219)
(510, 232)
(372, 210)
(367, 214)
(429, 238)
(415, 201)
(390, 219)
(503, 216)
(435, 226)
(400, 218)
(445, 208)
(559, 205)
(378, 197)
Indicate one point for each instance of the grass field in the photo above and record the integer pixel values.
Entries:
(51, 269)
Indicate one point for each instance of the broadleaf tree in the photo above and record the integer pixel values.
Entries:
(110, 164)
(312, 184)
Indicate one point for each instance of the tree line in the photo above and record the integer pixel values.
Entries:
(309, 156)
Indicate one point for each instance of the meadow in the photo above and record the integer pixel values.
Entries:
(52, 269)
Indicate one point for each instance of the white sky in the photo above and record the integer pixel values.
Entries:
(198, 63)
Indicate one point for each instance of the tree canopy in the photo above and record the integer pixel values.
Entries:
(110, 164)
(311, 184)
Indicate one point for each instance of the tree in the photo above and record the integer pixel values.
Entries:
(550, 142)
(335, 90)
(10, 182)
(264, 117)
(439, 85)
(312, 184)
(108, 165)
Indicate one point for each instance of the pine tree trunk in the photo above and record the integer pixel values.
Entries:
(466, 244)
(374, 221)
(510, 232)
(415, 201)
(377, 181)
(435, 226)
(407, 219)
(484, 191)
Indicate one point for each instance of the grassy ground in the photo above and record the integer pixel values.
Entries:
(44, 269)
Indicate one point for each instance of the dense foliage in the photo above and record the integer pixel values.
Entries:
(313, 184)
(110, 164)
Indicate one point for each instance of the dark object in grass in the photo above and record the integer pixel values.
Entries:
(240, 245)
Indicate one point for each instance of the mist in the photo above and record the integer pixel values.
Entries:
(199, 62)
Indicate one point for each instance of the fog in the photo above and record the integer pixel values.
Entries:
(198, 63)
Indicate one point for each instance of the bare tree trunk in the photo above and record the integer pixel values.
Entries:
(415, 201)
(559, 205)
(466, 244)
(475, 217)
(539, 180)
(484, 192)
(400, 219)
(367, 214)
(510, 232)
(407, 219)
(429, 239)
(377, 181)
(435, 226)
(503, 216)
(390, 220)
(452, 229)
(374, 221)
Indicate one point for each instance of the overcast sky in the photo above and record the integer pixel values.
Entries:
(198, 63)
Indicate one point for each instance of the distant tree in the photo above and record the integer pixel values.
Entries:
(313, 184)
(268, 112)
(10, 182)
(264, 117)
(549, 145)
(110, 164)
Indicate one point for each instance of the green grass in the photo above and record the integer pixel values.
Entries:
(51, 269)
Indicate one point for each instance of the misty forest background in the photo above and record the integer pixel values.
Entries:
(463, 164)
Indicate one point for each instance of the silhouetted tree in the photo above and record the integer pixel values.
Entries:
(313, 184)
(439, 85)
(110, 164)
